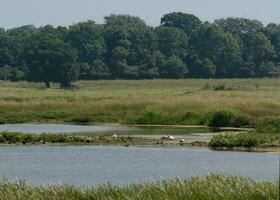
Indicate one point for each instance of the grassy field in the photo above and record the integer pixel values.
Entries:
(142, 102)
(218, 187)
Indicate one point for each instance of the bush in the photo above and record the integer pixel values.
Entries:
(2, 140)
(244, 140)
(158, 118)
(221, 118)
(220, 87)
(192, 118)
(230, 141)
(81, 119)
(12, 137)
(240, 121)
(270, 126)
(224, 118)
(152, 118)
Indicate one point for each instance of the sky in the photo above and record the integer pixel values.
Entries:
(15, 13)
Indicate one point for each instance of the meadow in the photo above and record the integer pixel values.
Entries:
(188, 102)
(218, 187)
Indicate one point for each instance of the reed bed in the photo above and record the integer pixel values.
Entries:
(211, 187)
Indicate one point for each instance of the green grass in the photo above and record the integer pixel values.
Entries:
(269, 126)
(188, 102)
(212, 187)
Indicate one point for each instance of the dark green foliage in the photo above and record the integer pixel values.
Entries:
(155, 118)
(270, 125)
(244, 140)
(239, 26)
(224, 118)
(11, 73)
(240, 121)
(51, 60)
(183, 21)
(174, 68)
(125, 47)
(221, 118)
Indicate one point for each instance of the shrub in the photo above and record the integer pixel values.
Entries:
(221, 118)
(240, 121)
(12, 137)
(270, 125)
(225, 118)
(244, 140)
(192, 118)
(220, 87)
(2, 120)
(81, 119)
(2, 140)
(165, 119)
(151, 118)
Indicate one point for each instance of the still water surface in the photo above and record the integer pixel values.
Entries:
(87, 166)
(147, 132)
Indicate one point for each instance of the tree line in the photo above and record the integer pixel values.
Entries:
(125, 47)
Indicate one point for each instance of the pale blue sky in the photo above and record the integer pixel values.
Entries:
(65, 12)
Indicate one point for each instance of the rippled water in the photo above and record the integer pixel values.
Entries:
(86, 166)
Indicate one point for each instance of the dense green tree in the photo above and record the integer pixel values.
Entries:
(174, 68)
(209, 43)
(183, 21)
(172, 42)
(11, 73)
(139, 42)
(6, 54)
(125, 47)
(239, 26)
(51, 60)
(87, 38)
(260, 51)
(201, 68)
(272, 32)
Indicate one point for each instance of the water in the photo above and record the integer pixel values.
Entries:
(95, 129)
(144, 132)
(90, 166)
(60, 128)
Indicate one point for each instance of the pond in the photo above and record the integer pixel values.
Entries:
(101, 129)
(188, 133)
(93, 165)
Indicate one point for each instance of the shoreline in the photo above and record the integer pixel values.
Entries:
(152, 144)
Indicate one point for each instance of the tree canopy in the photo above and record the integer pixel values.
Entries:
(125, 47)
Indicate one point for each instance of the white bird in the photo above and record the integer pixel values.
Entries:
(182, 140)
(167, 137)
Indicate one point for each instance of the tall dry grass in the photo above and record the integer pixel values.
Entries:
(114, 101)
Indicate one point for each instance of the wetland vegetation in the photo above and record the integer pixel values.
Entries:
(218, 187)
(244, 102)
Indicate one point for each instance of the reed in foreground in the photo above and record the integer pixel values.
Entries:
(218, 187)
